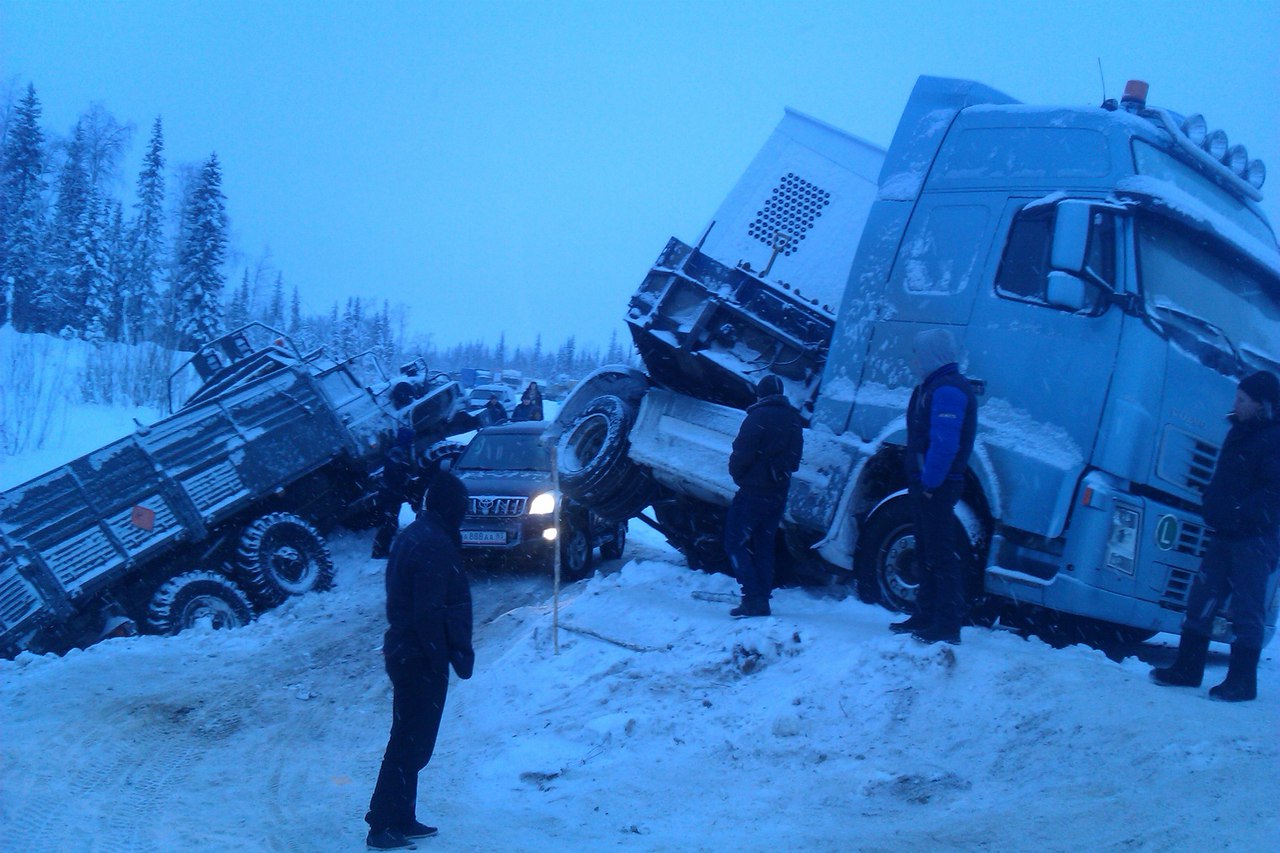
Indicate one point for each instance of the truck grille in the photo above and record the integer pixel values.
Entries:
(1186, 461)
(78, 559)
(492, 506)
(1177, 588)
(214, 487)
(18, 599)
(1191, 539)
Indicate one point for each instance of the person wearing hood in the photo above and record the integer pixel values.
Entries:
(765, 454)
(429, 630)
(397, 471)
(942, 420)
(1242, 505)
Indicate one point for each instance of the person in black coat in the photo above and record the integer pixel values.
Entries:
(1242, 505)
(942, 420)
(765, 454)
(397, 471)
(429, 616)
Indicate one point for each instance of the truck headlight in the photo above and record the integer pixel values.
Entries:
(1122, 547)
(543, 504)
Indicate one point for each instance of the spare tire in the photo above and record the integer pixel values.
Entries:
(194, 597)
(593, 464)
(282, 555)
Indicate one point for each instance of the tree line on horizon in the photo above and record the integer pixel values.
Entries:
(78, 262)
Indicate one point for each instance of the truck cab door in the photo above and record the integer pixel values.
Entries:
(1045, 343)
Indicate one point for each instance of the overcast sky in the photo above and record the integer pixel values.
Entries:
(503, 166)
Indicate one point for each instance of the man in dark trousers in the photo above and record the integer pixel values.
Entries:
(429, 611)
(1242, 505)
(942, 420)
(765, 454)
(397, 470)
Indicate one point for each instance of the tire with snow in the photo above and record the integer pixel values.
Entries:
(885, 564)
(196, 598)
(696, 530)
(613, 550)
(575, 549)
(281, 555)
(594, 467)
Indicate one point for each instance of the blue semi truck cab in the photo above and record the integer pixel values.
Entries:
(1108, 272)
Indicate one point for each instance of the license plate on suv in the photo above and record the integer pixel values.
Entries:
(484, 537)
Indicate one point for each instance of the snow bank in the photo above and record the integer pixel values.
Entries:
(661, 725)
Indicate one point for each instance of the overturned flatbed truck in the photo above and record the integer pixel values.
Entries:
(215, 511)
(1109, 273)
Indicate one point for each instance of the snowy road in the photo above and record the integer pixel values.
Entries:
(661, 725)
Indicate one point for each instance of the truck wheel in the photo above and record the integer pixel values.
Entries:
(613, 550)
(197, 598)
(575, 549)
(282, 555)
(696, 530)
(594, 468)
(885, 564)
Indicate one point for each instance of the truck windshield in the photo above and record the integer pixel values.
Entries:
(1193, 281)
(505, 452)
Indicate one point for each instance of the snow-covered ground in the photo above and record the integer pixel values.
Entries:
(660, 724)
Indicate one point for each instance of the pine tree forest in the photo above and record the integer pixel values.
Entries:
(157, 267)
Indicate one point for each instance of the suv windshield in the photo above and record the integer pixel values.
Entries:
(505, 452)
(1189, 279)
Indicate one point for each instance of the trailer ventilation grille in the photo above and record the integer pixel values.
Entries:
(789, 213)
(484, 506)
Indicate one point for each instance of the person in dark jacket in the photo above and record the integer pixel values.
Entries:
(942, 420)
(1242, 505)
(765, 454)
(530, 406)
(397, 471)
(429, 616)
(496, 413)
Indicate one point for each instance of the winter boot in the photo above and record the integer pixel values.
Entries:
(388, 839)
(417, 830)
(1241, 684)
(931, 634)
(913, 623)
(751, 607)
(1188, 669)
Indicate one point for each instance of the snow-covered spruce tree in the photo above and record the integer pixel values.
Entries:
(61, 293)
(22, 197)
(275, 308)
(140, 287)
(295, 314)
(92, 270)
(197, 273)
(238, 310)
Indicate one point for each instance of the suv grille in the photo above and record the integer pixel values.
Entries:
(491, 506)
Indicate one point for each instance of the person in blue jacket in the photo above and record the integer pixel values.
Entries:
(1242, 505)
(429, 630)
(942, 420)
(765, 454)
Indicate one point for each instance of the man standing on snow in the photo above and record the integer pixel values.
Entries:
(429, 611)
(397, 468)
(1242, 505)
(765, 454)
(942, 420)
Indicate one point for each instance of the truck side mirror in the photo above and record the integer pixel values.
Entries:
(1071, 236)
(1066, 291)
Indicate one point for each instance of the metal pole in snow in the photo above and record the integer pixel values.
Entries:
(555, 585)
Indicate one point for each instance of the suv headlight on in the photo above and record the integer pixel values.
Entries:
(1122, 547)
(543, 504)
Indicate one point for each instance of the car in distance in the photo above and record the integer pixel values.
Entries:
(511, 505)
